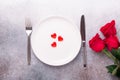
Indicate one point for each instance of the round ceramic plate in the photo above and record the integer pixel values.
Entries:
(56, 41)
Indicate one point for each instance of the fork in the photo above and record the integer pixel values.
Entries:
(28, 28)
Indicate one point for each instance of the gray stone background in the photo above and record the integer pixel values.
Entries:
(13, 39)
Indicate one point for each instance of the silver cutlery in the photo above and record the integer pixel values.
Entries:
(83, 35)
(28, 28)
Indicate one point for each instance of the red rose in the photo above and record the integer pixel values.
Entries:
(109, 29)
(112, 42)
(96, 43)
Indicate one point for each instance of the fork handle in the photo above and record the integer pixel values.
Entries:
(29, 50)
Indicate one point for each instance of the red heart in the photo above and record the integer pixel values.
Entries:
(54, 44)
(60, 38)
(53, 35)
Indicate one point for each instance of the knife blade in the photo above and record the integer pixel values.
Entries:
(83, 36)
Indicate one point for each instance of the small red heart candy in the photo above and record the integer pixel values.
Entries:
(54, 44)
(60, 38)
(53, 35)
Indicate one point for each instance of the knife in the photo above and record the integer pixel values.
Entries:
(83, 36)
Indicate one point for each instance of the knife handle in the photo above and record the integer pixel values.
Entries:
(84, 54)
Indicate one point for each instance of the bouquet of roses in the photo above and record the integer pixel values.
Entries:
(110, 46)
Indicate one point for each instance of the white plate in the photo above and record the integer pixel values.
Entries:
(65, 51)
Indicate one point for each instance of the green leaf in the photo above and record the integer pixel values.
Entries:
(115, 70)
(116, 53)
(118, 73)
(111, 68)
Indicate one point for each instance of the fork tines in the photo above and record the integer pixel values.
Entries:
(28, 24)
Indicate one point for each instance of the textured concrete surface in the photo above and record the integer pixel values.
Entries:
(13, 39)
